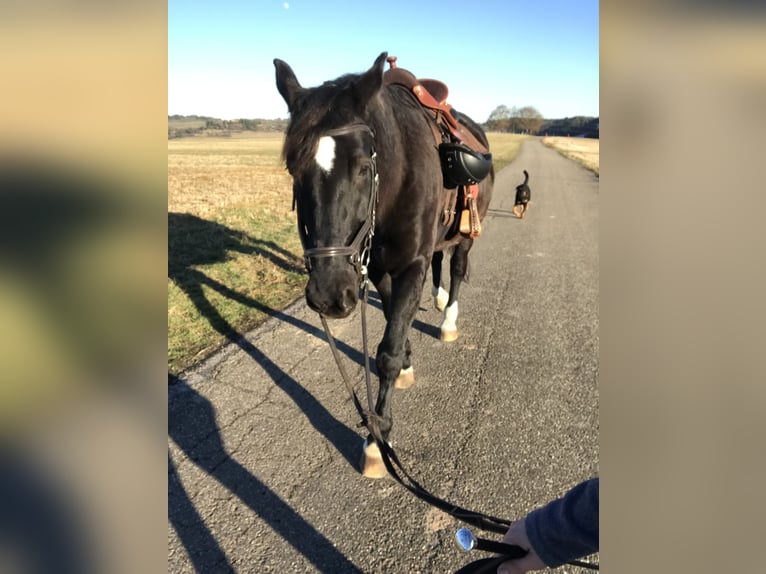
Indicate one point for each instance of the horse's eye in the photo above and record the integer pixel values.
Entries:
(364, 169)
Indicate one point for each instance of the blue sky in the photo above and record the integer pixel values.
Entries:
(542, 53)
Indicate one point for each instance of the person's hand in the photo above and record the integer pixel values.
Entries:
(517, 534)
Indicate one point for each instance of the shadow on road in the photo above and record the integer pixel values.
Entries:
(502, 213)
(345, 440)
(192, 426)
(191, 421)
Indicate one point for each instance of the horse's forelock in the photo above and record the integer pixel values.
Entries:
(319, 110)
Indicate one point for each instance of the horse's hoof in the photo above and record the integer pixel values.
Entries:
(448, 335)
(372, 461)
(405, 379)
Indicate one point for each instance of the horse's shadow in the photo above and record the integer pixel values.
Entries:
(217, 240)
(193, 427)
(194, 241)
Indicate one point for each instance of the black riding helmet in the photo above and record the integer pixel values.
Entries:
(463, 166)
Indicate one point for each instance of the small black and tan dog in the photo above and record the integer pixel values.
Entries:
(523, 195)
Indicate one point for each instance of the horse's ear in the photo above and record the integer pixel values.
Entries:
(371, 81)
(287, 83)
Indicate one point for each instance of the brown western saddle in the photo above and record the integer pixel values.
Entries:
(458, 148)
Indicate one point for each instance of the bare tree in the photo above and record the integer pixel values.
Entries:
(525, 120)
(529, 120)
(499, 119)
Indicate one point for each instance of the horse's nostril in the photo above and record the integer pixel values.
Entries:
(314, 299)
(348, 300)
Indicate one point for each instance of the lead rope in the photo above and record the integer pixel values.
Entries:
(371, 420)
(368, 414)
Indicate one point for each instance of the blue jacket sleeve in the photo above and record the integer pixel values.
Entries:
(567, 528)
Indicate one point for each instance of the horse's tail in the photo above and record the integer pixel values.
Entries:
(526, 177)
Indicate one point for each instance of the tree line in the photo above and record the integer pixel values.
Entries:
(527, 120)
(184, 126)
(577, 126)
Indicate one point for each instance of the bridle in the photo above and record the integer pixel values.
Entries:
(358, 251)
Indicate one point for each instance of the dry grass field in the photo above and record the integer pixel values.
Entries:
(584, 151)
(233, 252)
(234, 257)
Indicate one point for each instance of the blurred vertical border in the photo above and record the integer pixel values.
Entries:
(83, 257)
(82, 286)
(683, 119)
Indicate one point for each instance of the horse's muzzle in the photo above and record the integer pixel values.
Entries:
(337, 301)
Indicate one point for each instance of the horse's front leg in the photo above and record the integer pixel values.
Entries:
(458, 270)
(382, 282)
(393, 354)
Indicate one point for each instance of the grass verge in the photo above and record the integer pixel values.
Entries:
(584, 151)
(504, 148)
(234, 258)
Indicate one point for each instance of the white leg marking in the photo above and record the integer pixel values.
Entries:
(440, 296)
(325, 156)
(448, 327)
(450, 316)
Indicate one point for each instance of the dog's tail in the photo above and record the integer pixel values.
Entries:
(526, 177)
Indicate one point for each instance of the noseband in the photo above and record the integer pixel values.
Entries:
(358, 252)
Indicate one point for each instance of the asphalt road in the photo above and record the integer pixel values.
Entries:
(263, 446)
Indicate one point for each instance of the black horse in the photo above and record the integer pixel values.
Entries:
(354, 219)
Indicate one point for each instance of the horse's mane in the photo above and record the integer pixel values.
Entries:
(312, 114)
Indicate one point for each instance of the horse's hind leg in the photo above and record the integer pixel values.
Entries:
(458, 270)
(438, 292)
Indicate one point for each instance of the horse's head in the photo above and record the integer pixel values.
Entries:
(330, 153)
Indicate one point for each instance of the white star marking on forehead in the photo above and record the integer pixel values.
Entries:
(325, 156)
